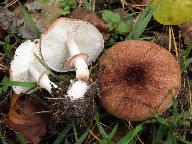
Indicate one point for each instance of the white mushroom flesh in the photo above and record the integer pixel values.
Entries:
(81, 67)
(77, 90)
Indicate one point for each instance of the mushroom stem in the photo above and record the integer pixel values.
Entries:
(42, 79)
(79, 60)
(72, 47)
(82, 71)
(77, 89)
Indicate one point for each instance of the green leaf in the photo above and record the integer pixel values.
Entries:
(63, 134)
(129, 137)
(8, 48)
(110, 26)
(4, 88)
(122, 27)
(115, 18)
(106, 15)
(67, 5)
(30, 20)
(87, 6)
(171, 12)
(20, 138)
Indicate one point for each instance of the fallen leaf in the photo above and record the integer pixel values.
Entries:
(186, 32)
(42, 12)
(93, 19)
(162, 39)
(5, 17)
(22, 117)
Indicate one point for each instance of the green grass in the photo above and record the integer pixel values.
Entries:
(20, 138)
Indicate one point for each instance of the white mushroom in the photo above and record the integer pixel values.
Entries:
(26, 68)
(73, 41)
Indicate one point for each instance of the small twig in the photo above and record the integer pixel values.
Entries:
(137, 7)
(40, 112)
(80, 3)
(123, 3)
(90, 131)
(1, 65)
(59, 98)
(175, 45)
(88, 140)
(2, 56)
(169, 38)
(92, 2)
(11, 3)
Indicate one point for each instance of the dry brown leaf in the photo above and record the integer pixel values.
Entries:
(186, 32)
(42, 12)
(22, 117)
(93, 19)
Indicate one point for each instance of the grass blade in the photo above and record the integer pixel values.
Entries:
(20, 138)
(113, 132)
(18, 83)
(63, 134)
(141, 24)
(47, 67)
(171, 139)
(188, 50)
(30, 20)
(75, 133)
(158, 137)
(101, 130)
(129, 137)
(179, 138)
(83, 137)
(161, 120)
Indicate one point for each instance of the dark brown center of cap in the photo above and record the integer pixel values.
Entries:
(135, 75)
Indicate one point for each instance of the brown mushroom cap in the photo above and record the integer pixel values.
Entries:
(135, 79)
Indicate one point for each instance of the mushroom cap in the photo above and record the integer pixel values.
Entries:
(23, 59)
(53, 42)
(135, 79)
